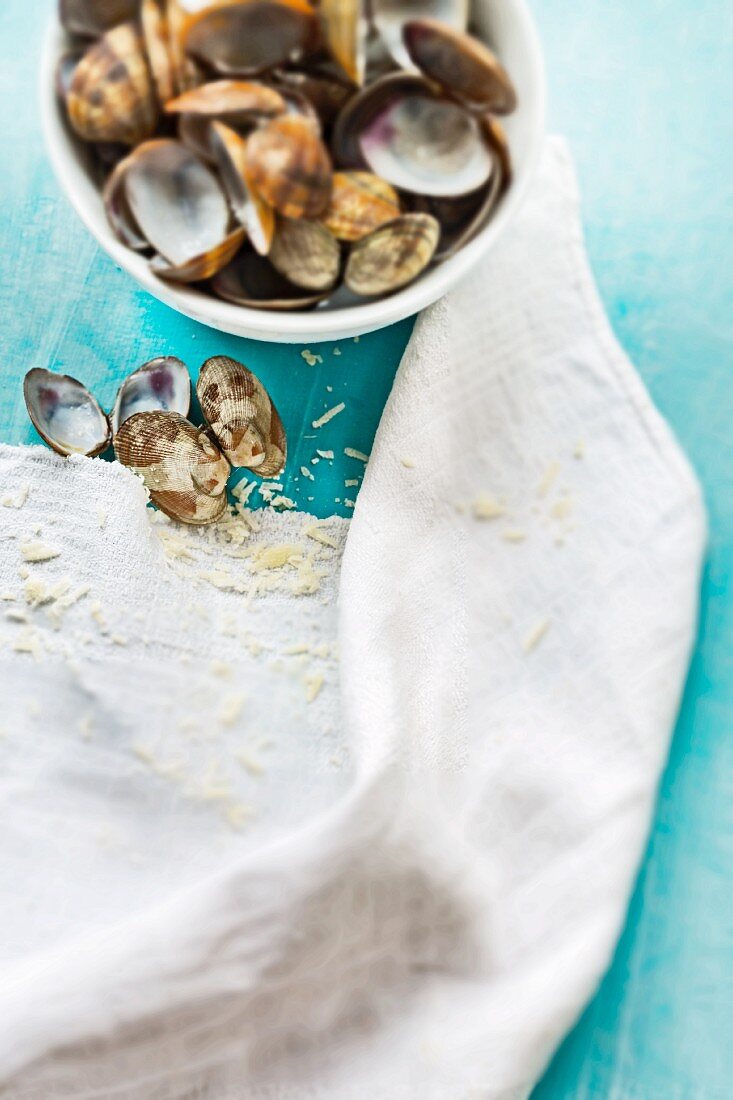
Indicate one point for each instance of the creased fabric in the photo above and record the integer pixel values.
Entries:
(441, 846)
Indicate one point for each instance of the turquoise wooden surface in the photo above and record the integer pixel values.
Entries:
(643, 91)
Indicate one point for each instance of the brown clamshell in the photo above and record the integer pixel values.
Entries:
(242, 416)
(90, 18)
(111, 97)
(360, 203)
(232, 101)
(290, 167)
(229, 153)
(306, 254)
(250, 37)
(345, 30)
(250, 280)
(181, 465)
(462, 66)
(392, 256)
(203, 266)
(154, 23)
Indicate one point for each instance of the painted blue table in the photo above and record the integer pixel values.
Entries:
(643, 91)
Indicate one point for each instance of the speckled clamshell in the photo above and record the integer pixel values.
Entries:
(465, 68)
(241, 415)
(392, 256)
(305, 254)
(181, 465)
(360, 202)
(65, 414)
(250, 37)
(111, 96)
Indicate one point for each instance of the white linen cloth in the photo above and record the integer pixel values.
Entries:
(443, 848)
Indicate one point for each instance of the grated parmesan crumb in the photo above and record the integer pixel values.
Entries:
(17, 500)
(220, 668)
(408, 463)
(328, 415)
(513, 534)
(314, 531)
(37, 551)
(306, 472)
(102, 518)
(337, 351)
(251, 763)
(579, 450)
(535, 635)
(312, 685)
(324, 454)
(349, 503)
(231, 710)
(350, 482)
(548, 479)
(311, 358)
(485, 507)
(350, 452)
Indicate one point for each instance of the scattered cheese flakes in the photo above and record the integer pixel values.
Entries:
(8, 597)
(37, 551)
(17, 500)
(315, 461)
(243, 490)
(349, 503)
(306, 472)
(313, 685)
(251, 763)
(238, 814)
(408, 463)
(351, 453)
(329, 389)
(214, 787)
(485, 507)
(62, 605)
(548, 479)
(14, 616)
(351, 481)
(324, 454)
(95, 611)
(562, 508)
(283, 502)
(579, 450)
(231, 709)
(101, 518)
(512, 534)
(356, 339)
(329, 415)
(310, 358)
(273, 557)
(220, 668)
(118, 639)
(535, 635)
(337, 351)
(296, 650)
(314, 531)
(27, 642)
(37, 592)
(142, 752)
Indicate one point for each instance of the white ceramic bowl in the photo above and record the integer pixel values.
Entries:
(505, 24)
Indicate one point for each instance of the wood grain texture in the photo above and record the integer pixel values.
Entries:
(643, 91)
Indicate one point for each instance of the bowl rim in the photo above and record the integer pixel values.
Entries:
(290, 326)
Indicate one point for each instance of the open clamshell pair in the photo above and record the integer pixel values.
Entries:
(184, 467)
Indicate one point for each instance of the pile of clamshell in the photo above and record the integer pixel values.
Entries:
(274, 151)
(185, 467)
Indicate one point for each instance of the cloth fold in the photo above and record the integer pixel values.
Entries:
(447, 833)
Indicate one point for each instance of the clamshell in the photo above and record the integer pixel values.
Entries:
(290, 167)
(392, 256)
(65, 414)
(181, 465)
(162, 384)
(91, 18)
(306, 254)
(245, 39)
(250, 280)
(360, 203)
(242, 416)
(463, 67)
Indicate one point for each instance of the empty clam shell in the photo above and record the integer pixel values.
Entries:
(179, 207)
(111, 96)
(345, 30)
(181, 465)
(251, 280)
(242, 416)
(65, 414)
(427, 145)
(306, 254)
(229, 152)
(362, 108)
(290, 167)
(389, 17)
(232, 101)
(393, 255)
(360, 203)
(90, 18)
(161, 383)
(244, 39)
(325, 92)
(464, 67)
